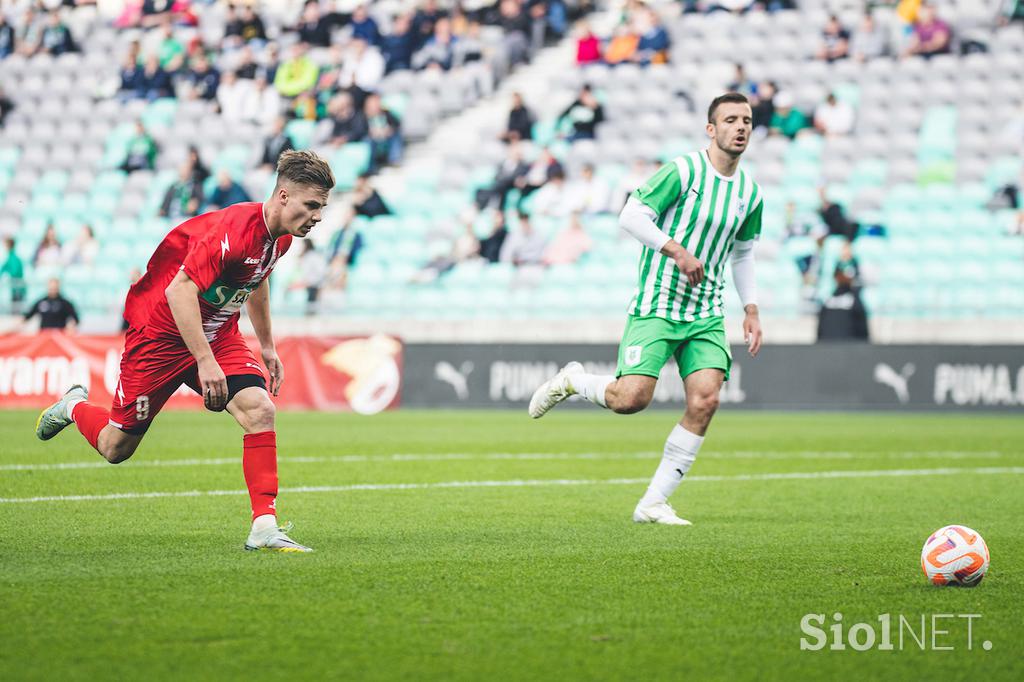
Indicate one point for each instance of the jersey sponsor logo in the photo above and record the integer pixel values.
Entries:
(252, 261)
(222, 295)
(634, 355)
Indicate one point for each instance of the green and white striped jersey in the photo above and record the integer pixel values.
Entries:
(705, 212)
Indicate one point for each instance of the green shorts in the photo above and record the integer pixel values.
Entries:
(649, 342)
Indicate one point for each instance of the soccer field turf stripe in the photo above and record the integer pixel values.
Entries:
(508, 456)
(525, 483)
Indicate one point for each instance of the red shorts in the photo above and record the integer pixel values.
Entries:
(152, 370)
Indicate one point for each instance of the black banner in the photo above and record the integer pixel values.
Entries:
(824, 376)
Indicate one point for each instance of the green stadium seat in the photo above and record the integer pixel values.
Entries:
(9, 157)
(301, 132)
(160, 113)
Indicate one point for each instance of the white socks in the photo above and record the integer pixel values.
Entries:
(264, 522)
(681, 450)
(69, 409)
(592, 387)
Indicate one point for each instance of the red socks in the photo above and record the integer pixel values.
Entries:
(259, 464)
(90, 420)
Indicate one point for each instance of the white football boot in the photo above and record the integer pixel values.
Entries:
(273, 539)
(658, 512)
(554, 390)
(53, 419)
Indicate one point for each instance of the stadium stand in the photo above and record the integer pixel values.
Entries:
(933, 142)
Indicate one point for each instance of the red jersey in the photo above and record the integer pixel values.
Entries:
(227, 253)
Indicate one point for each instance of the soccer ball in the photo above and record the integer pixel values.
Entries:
(955, 555)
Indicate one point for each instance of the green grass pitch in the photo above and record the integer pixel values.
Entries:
(547, 580)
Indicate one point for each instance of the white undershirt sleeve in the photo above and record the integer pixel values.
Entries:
(637, 218)
(743, 271)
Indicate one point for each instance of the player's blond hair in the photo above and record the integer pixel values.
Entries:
(304, 168)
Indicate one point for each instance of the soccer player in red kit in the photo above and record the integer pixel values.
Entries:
(183, 328)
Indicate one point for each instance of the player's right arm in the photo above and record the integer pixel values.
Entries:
(642, 210)
(183, 298)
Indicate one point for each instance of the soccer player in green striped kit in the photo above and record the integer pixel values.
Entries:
(693, 216)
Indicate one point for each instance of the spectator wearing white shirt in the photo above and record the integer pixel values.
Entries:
(588, 195)
(261, 103)
(833, 118)
(83, 250)
(232, 96)
(551, 199)
(362, 67)
(524, 245)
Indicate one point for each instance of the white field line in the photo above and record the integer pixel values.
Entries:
(509, 456)
(528, 483)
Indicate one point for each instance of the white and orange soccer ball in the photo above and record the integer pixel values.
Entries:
(955, 555)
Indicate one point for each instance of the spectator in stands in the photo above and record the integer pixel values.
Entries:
(835, 41)
(842, 316)
(344, 250)
(231, 97)
(931, 35)
(83, 250)
(654, 44)
(833, 118)
(242, 26)
(520, 121)
(509, 172)
(763, 105)
(787, 120)
(569, 245)
(56, 38)
(171, 51)
(313, 27)
(870, 40)
(261, 103)
(363, 26)
(399, 46)
(270, 63)
(28, 32)
(140, 152)
(423, 22)
(6, 106)
(468, 55)
(276, 143)
(585, 113)
(298, 74)
(623, 46)
(245, 66)
(383, 132)
(588, 46)
(539, 173)
(203, 78)
(184, 197)
(7, 44)
(226, 193)
(199, 169)
(439, 51)
(154, 82)
(15, 269)
(515, 21)
(132, 76)
(835, 218)
(525, 246)
(362, 69)
(312, 273)
(490, 246)
(365, 199)
(345, 122)
(589, 194)
(742, 84)
(551, 199)
(54, 311)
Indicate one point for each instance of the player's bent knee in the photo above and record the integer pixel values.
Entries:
(704, 403)
(632, 403)
(120, 451)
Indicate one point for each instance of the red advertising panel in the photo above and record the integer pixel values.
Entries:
(361, 374)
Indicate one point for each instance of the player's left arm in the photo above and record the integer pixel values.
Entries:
(745, 276)
(258, 307)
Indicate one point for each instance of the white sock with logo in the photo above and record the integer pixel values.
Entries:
(681, 450)
(592, 387)
(69, 408)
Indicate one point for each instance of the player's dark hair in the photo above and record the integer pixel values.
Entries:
(727, 98)
(305, 168)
